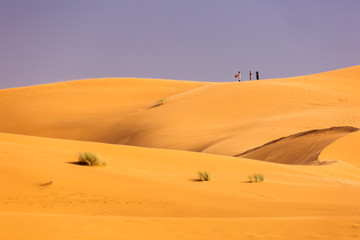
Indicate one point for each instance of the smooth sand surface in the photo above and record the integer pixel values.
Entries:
(300, 133)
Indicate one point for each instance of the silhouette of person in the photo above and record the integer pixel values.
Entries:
(250, 73)
(257, 75)
(238, 76)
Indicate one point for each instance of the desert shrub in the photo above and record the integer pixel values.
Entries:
(90, 159)
(256, 178)
(158, 103)
(204, 176)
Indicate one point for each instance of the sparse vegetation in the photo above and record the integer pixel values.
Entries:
(90, 159)
(256, 178)
(158, 103)
(204, 176)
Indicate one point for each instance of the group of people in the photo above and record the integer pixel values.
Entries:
(238, 76)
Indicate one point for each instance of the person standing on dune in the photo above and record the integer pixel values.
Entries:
(238, 76)
(250, 73)
(257, 75)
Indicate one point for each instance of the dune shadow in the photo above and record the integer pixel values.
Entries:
(195, 180)
(326, 162)
(78, 163)
(46, 184)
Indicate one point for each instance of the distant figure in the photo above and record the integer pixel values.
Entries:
(238, 76)
(257, 75)
(250, 73)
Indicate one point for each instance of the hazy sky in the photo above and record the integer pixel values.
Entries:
(43, 41)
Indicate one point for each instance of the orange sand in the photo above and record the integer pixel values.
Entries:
(156, 134)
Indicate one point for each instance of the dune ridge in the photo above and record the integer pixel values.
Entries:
(301, 148)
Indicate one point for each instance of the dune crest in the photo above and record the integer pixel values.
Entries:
(301, 149)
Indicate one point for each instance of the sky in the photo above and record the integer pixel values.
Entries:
(45, 41)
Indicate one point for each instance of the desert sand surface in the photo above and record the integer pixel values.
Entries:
(300, 133)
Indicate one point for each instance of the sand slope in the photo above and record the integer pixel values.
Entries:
(345, 149)
(75, 227)
(301, 148)
(155, 189)
(92, 110)
(156, 134)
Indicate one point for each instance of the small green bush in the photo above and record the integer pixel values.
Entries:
(90, 159)
(256, 178)
(204, 176)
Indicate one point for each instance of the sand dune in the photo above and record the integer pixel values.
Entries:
(91, 110)
(156, 134)
(141, 185)
(218, 118)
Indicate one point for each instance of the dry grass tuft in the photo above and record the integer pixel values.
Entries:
(256, 178)
(90, 159)
(204, 176)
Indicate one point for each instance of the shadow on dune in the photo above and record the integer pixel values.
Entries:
(195, 180)
(78, 163)
(299, 149)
